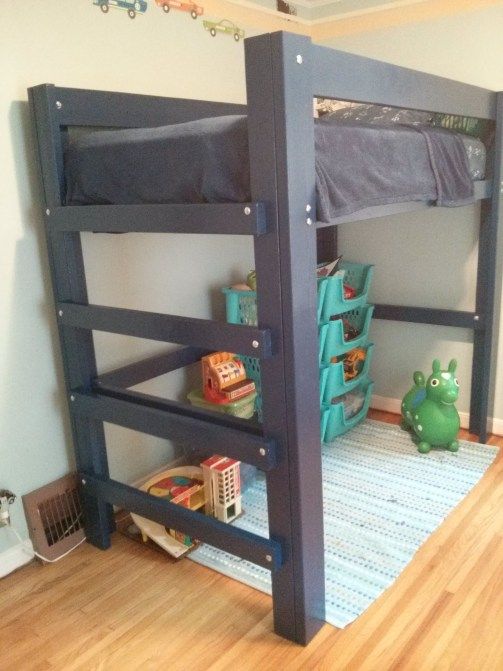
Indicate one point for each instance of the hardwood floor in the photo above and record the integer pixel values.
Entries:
(130, 608)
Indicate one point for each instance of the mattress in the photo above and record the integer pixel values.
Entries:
(206, 161)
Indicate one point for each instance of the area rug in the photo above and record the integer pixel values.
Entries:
(382, 499)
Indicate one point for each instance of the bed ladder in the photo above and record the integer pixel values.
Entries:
(287, 447)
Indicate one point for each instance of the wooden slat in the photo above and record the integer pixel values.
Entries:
(437, 317)
(173, 421)
(147, 369)
(220, 218)
(253, 548)
(82, 107)
(204, 333)
(345, 76)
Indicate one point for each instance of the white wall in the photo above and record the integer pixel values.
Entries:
(428, 259)
(74, 44)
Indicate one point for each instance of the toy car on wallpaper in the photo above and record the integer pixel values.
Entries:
(195, 10)
(224, 26)
(132, 7)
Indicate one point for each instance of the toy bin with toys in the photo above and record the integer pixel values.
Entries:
(343, 374)
(345, 411)
(343, 326)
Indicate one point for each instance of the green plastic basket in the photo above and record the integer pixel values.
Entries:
(243, 407)
(333, 420)
(332, 382)
(241, 306)
(331, 299)
(331, 335)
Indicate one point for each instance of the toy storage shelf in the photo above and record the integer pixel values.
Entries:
(241, 308)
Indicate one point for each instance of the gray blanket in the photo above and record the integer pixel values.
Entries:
(206, 161)
(388, 164)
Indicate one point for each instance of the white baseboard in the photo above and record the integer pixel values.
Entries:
(16, 556)
(394, 404)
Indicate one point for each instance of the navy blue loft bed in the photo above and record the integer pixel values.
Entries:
(283, 73)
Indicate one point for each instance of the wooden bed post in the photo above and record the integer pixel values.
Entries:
(281, 136)
(483, 370)
(69, 284)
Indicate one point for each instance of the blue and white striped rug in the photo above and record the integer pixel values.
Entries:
(382, 499)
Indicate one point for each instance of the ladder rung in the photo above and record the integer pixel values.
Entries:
(221, 218)
(253, 548)
(438, 317)
(168, 420)
(205, 333)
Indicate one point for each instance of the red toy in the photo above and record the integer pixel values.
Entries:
(224, 378)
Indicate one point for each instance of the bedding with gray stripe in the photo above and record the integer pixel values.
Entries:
(206, 161)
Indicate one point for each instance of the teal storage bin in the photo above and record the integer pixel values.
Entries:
(333, 420)
(252, 367)
(331, 299)
(331, 335)
(241, 306)
(332, 382)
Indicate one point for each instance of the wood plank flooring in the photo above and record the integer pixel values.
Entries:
(129, 608)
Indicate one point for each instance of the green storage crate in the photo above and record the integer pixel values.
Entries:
(331, 335)
(333, 420)
(332, 382)
(241, 306)
(331, 299)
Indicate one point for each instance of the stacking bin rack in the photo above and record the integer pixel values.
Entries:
(333, 344)
(283, 73)
(241, 308)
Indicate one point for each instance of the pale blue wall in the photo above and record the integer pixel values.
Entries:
(79, 46)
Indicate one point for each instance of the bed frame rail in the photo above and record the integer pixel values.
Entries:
(386, 84)
(223, 218)
(262, 551)
(106, 109)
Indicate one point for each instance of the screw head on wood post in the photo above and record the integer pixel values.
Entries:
(268, 558)
(247, 210)
(48, 212)
(299, 59)
(59, 104)
(262, 451)
(255, 344)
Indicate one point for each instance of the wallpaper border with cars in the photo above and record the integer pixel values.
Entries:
(226, 17)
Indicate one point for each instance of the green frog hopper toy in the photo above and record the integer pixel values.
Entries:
(428, 409)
